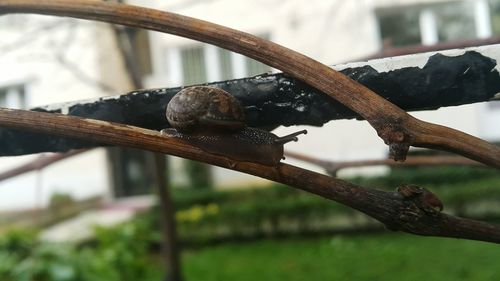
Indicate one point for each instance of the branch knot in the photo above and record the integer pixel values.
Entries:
(395, 134)
(421, 198)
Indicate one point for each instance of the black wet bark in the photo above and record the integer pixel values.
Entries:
(276, 99)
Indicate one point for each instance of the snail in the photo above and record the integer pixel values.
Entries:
(213, 120)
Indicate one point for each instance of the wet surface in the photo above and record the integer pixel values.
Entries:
(276, 99)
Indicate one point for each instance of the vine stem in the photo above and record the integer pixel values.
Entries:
(396, 210)
(332, 167)
(397, 128)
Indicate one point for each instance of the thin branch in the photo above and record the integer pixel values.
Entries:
(397, 128)
(125, 45)
(79, 74)
(31, 35)
(416, 49)
(332, 167)
(38, 164)
(408, 209)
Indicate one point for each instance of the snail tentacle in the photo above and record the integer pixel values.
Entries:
(289, 138)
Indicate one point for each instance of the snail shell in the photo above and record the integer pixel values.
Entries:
(213, 120)
(208, 109)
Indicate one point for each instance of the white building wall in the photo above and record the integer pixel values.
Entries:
(330, 32)
(57, 60)
(82, 176)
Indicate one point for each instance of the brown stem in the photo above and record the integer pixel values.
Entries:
(392, 123)
(396, 210)
(171, 247)
(441, 137)
(38, 164)
(332, 167)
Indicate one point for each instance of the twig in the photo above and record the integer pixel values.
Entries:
(31, 35)
(415, 49)
(80, 75)
(397, 128)
(38, 164)
(332, 167)
(408, 211)
(125, 45)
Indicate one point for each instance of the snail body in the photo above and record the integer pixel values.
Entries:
(213, 120)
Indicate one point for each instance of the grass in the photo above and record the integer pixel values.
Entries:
(365, 257)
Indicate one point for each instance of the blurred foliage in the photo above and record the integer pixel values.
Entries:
(210, 215)
(60, 200)
(196, 213)
(129, 251)
(428, 176)
(389, 257)
(121, 254)
(278, 210)
(454, 185)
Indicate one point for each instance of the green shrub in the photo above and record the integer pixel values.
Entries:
(60, 200)
(122, 253)
(19, 242)
(429, 176)
(279, 209)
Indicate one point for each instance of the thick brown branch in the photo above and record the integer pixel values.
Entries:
(398, 129)
(398, 211)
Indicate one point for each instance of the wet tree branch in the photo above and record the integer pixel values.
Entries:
(410, 209)
(398, 129)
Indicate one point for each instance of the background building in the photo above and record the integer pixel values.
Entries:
(46, 60)
(331, 32)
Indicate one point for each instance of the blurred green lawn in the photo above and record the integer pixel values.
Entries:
(362, 257)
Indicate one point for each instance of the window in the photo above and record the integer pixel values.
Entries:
(13, 96)
(204, 63)
(428, 24)
(495, 15)
(226, 66)
(254, 67)
(131, 172)
(193, 65)
(455, 21)
(400, 29)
